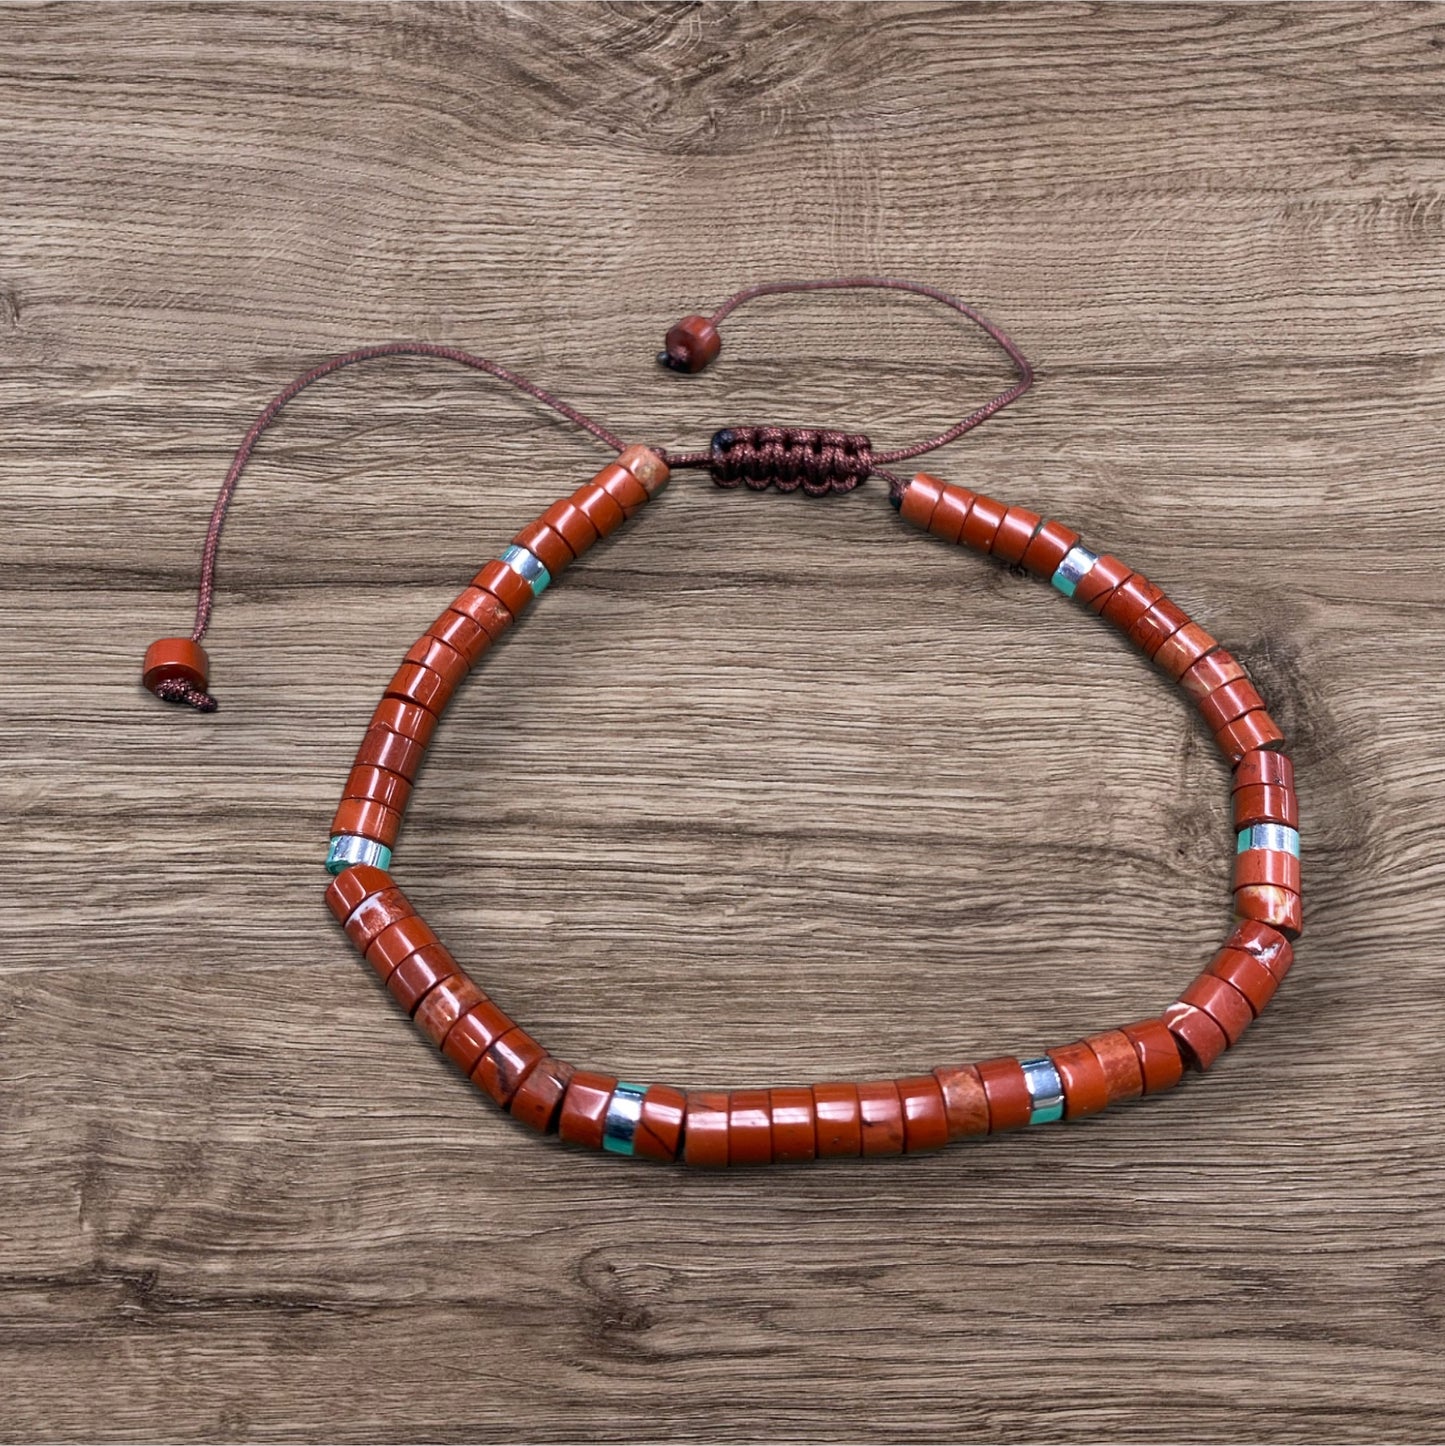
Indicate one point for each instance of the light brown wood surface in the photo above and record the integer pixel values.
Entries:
(769, 789)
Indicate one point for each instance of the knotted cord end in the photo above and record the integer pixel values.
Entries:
(814, 459)
(690, 345)
(176, 671)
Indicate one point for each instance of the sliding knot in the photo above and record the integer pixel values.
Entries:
(817, 460)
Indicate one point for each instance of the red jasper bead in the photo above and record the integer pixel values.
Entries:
(175, 660)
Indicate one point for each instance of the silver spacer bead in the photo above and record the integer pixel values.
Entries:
(529, 567)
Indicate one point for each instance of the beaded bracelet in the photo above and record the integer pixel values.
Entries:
(790, 1123)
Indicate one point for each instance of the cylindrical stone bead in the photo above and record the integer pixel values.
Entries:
(925, 1118)
(1268, 767)
(173, 660)
(375, 913)
(463, 635)
(659, 1129)
(705, 1129)
(379, 785)
(409, 719)
(964, 1100)
(1253, 730)
(512, 591)
(443, 659)
(1160, 1062)
(1222, 1002)
(981, 525)
(1123, 1074)
(1267, 944)
(1214, 670)
(1157, 626)
(546, 545)
(381, 748)
(647, 466)
(1014, 534)
(538, 1100)
(951, 513)
(919, 498)
(1201, 1040)
(349, 890)
(691, 344)
(1226, 704)
(1271, 905)
(1009, 1101)
(1265, 803)
(750, 1128)
(1130, 601)
(1267, 866)
(417, 974)
(881, 1114)
(414, 683)
(584, 1108)
(602, 510)
(370, 820)
(1048, 548)
(444, 1005)
(485, 609)
(505, 1063)
(840, 1121)
(1247, 975)
(475, 1033)
(1086, 1085)
(1098, 585)
(396, 941)
(1182, 650)
(623, 488)
(570, 523)
(795, 1126)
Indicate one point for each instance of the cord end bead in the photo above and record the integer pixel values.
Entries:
(690, 345)
(176, 671)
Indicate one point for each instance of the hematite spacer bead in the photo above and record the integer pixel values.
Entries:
(350, 848)
(529, 567)
(1046, 1090)
(1070, 572)
(624, 1109)
(1277, 836)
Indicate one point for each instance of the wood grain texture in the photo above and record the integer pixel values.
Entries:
(769, 789)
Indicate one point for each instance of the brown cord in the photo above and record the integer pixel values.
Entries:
(813, 460)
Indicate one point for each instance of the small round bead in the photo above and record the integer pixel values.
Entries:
(1010, 1103)
(1158, 1052)
(175, 660)
(795, 1125)
(840, 1122)
(659, 1128)
(705, 1129)
(624, 1111)
(1084, 1080)
(538, 1100)
(348, 850)
(584, 1108)
(691, 344)
(1046, 1090)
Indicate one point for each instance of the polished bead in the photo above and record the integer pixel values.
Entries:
(370, 820)
(538, 1100)
(659, 1130)
(1265, 803)
(1265, 943)
(690, 345)
(1247, 974)
(622, 487)
(1051, 544)
(528, 566)
(624, 1110)
(1271, 904)
(409, 980)
(474, 1033)
(1046, 1090)
(840, 1123)
(381, 748)
(348, 849)
(750, 1128)
(647, 466)
(880, 1112)
(795, 1125)
(1071, 571)
(510, 589)
(1130, 601)
(1222, 1002)
(443, 1006)
(964, 1100)
(1253, 730)
(1014, 534)
(920, 498)
(584, 1108)
(1123, 1073)
(1009, 1100)
(449, 663)
(1227, 703)
(951, 513)
(1267, 866)
(1213, 670)
(547, 545)
(409, 719)
(352, 887)
(982, 523)
(396, 942)
(1265, 766)
(705, 1129)
(507, 1062)
(1158, 1051)
(925, 1117)
(1083, 1077)
(1177, 654)
(379, 785)
(1097, 586)
(1275, 836)
(486, 609)
(175, 660)
(1200, 1038)
(1157, 626)
(600, 508)
(375, 913)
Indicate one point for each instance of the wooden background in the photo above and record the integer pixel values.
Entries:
(769, 790)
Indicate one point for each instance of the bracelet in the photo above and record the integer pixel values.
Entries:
(759, 1126)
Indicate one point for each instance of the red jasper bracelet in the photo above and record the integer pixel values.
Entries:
(761, 1126)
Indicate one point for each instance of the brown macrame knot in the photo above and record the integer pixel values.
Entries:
(813, 458)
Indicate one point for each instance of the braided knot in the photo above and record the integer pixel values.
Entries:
(178, 690)
(817, 460)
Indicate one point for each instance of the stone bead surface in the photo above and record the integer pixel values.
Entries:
(584, 1108)
(1177, 654)
(1160, 1062)
(1050, 545)
(1200, 1038)
(659, 1127)
(795, 1125)
(538, 1100)
(1123, 1073)
(442, 1006)
(364, 818)
(507, 585)
(1222, 1002)
(175, 660)
(506, 1063)
(919, 499)
(705, 1129)
(1247, 975)
(422, 970)
(750, 1128)
(925, 1119)
(840, 1122)
(880, 1113)
(1270, 904)
(964, 1100)
(1009, 1102)
(647, 466)
(1085, 1084)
